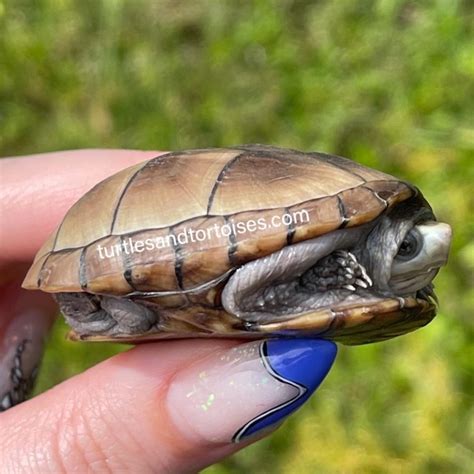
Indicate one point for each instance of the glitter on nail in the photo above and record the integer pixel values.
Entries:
(208, 404)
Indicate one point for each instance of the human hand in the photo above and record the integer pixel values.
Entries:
(172, 406)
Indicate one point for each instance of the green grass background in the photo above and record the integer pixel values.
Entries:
(388, 83)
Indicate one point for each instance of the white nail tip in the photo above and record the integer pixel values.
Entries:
(236, 389)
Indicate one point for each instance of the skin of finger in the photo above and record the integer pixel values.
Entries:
(37, 190)
(16, 300)
(113, 417)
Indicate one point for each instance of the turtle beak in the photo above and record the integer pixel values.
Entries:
(437, 238)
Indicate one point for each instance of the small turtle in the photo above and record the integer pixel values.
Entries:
(250, 241)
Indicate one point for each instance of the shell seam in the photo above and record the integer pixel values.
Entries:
(178, 261)
(342, 211)
(232, 247)
(124, 190)
(291, 230)
(219, 179)
(127, 267)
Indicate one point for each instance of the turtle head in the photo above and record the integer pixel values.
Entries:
(423, 250)
(405, 250)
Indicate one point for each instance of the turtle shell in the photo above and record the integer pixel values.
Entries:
(199, 190)
(152, 208)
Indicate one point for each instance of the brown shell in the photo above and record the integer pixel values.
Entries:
(199, 189)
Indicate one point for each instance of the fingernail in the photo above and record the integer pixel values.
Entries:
(248, 390)
(21, 348)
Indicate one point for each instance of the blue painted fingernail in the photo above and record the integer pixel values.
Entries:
(300, 363)
(249, 389)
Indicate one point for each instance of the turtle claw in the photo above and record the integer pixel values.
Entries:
(428, 294)
(361, 283)
(365, 277)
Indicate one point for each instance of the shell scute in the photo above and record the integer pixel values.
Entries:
(256, 182)
(32, 279)
(63, 268)
(391, 191)
(271, 237)
(202, 250)
(360, 205)
(98, 206)
(153, 265)
(323, 215)
(169, 190)
(104, 267)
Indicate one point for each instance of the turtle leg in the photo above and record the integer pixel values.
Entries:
(105, 315)
(83, 313)
(21, 384)
(339, 270)
(131, 317)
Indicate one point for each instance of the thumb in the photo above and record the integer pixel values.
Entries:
(173, 406)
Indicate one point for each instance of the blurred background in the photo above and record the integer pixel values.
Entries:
(388, 83)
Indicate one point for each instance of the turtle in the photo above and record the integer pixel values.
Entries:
(250, 241)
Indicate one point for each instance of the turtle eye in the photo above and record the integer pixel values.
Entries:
(411, 246)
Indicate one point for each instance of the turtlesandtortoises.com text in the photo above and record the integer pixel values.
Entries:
(130, 245)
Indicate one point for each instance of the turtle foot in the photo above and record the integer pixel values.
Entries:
(339, 270)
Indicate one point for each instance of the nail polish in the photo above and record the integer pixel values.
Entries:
(249, 389)
(21, 347)
(19, 380)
